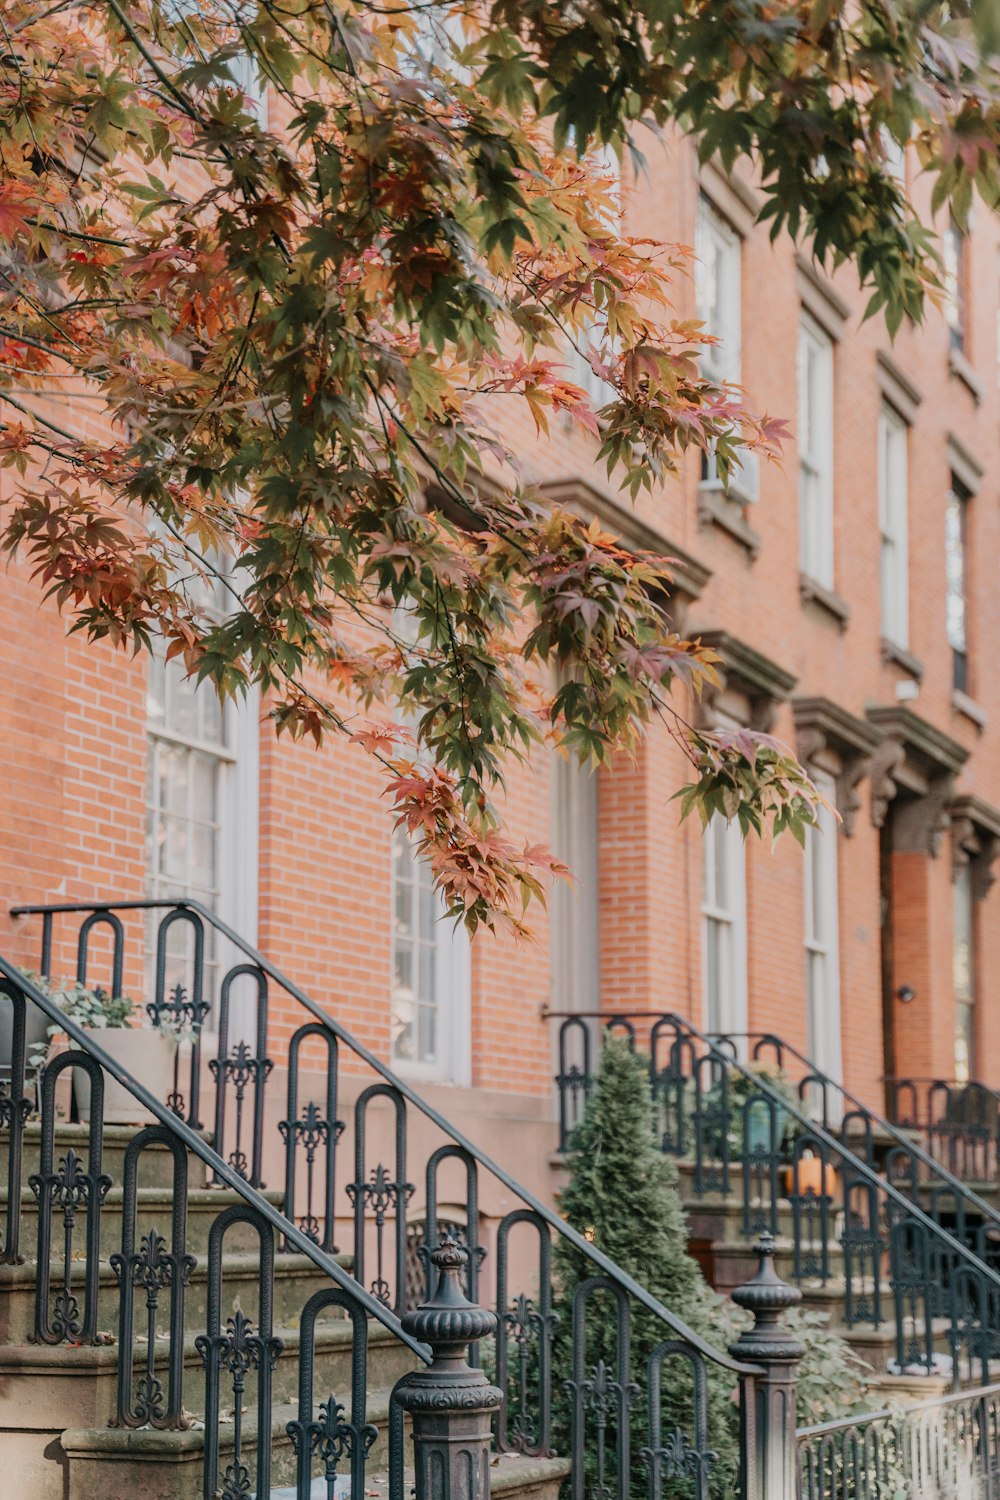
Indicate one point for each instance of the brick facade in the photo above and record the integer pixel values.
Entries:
(72, 791)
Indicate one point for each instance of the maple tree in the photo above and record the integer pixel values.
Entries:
(296, 333)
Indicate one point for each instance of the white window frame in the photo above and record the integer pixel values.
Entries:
(453, 986)
(822, 935)
(715, 239)
(955, 258)
(237, 851)
(964, 975)
(452, 961)
(815, 446)
(243, 68)
(575, 909)
(600, 392)
(893, 517)
(727, 1012)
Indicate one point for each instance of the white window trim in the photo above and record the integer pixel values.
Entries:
(238, 816)
(453, 1001)
(825, 1037)
(575, 919)
(816, 542)
(453, 970)
(733, 1009)
(962, 884)
(894, 525)
(723, 361)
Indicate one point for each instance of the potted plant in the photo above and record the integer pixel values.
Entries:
(748, 1129)
(36, 1027)
(146, 1052)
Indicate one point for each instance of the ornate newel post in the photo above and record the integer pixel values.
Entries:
(450, 1403)
(773, 1453)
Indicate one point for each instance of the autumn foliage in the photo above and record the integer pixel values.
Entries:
(297, 331)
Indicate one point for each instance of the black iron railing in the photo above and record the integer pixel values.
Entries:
(65, 1227)
(865, 1211)
(958, 1123)
(944, 1449)
(943, 1163)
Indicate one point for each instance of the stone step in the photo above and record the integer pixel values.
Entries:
(44, 1388)
(156, 1163)
(168, 1466)
(97, 1463)
(511, 1478)
(295, 1280)
(154, 1207)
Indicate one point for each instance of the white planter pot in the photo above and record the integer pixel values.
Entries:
(145, 1053)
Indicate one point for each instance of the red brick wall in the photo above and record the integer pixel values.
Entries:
(73, 768)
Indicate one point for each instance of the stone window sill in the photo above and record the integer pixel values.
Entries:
(716, 509)
(898, 656)
(959, 366)
(961, 703)
(812, 592)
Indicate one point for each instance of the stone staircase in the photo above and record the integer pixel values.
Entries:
(58, 1402)
(899, 1254)
(172, 1328)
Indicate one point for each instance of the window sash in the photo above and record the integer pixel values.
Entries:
(893, 485)
(954, 253)
(718, 271)
(964, 973)
(822, 935)
(575, 910)
(724, 936)
(815, 447)
(956, 531)
(430, 974)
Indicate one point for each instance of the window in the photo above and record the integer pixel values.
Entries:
(575, 909)
(893, 156)
(957, 574)
(717, 272)
(821, 935)
(954, 253)
(591, 341)
(963, 971)
(724, 939)
(893, 525)
(429, 1006)
(430, 974)
(242, 68)
(201, 814)
(815, 439)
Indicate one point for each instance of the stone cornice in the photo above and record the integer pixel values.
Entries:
(749, 672)
(918, 758)
(822, 725)
(975, 840)
(843, 731)
(982, 815)
(933, 751)
(588, 499)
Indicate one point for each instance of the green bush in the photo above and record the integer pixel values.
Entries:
(622, 1195)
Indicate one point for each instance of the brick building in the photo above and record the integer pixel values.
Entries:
(851, 594)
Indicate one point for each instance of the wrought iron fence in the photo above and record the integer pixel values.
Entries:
(957, 1122)
(863, 1208)
(944, 1449)
(212, 1269)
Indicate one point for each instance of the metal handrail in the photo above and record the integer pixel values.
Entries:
(814, 1128)
(862, 1419)
(223, 1171)
(555, 1222)
(897, 1133)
